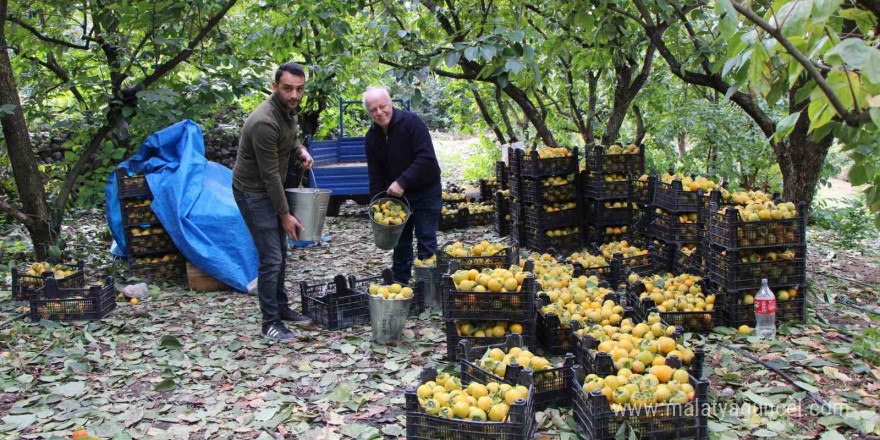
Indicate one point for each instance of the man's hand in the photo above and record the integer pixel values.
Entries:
(395, 189)
(291, 225)
(307, 160)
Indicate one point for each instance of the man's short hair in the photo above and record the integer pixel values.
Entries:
(371, 89)
(291, 68)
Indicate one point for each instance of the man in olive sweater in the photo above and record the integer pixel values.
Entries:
(268, 143)
(401, 162)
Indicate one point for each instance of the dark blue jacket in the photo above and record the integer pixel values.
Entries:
(405, 154)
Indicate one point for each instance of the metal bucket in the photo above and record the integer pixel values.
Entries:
(386, 236)
(309, 206)
(431, 289)
(387, 317)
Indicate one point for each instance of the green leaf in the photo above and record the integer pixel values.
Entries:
(823, 9)
(166, 385)
(766, 433)
(514, 66)
(831, 435)
(875, 116)
(169, 342)
(852, 51)
(7, 109)
(354, 429)
(488, 52)
(516, 36)
(452, 58)
(729, 19)
(759, 400)
(786, 125)
(471, 53)
(70, 389)
(806, 386)
(857, 175)
(794, 16)
(341, 393)
(19, 422)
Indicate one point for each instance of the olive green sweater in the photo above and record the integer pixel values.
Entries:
(267, 141)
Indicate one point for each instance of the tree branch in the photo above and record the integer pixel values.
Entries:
(78, 167)
(13, 213)
(851, 118)
(184, 54)
(46, 38)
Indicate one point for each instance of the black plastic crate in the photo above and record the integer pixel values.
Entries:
(417, 305)
(597, 362)
(599, 160)
(605, 272)
(138, 212)
(132, 186)
(599, 235)
(531, 165)
(715, 197)
(452, 199)
(519, 425)
(537, 218)
(540, 242)
(552, 386)
(500, 260)
(488, 189)
(72, 304)
(669, 227)
(727, 269)
(595, 187)
(501, 219)
(553, 337)
(456, 221)
(480, 219)
(501, 174)
(792, 310)
(730, 230)
(453, 339)
(157, 241)
(600, 421)
(684, 262)
(333, 305)
(699, 322)
(642, 191)
(509, 306)
(661, 255)
(597, 214)
(24, 284)
(171, 266)
(531, 191)
(673, 198)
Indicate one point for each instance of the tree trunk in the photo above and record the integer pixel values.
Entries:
(518, 96)
(487, 116)
(682, 144)
(592, 84)
(800, 160)
(308, 122)
(502, 108)
(625, 93)
(640, 125)
(28, 180)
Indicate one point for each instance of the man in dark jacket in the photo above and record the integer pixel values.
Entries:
(401, 162)
(267, 145)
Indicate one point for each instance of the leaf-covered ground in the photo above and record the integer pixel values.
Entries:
(193, 365)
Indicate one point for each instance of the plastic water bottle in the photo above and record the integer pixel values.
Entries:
(765, 312)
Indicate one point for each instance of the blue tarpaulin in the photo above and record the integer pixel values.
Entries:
(193, 199)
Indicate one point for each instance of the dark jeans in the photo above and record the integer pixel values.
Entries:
(426, 205)
(271, 242)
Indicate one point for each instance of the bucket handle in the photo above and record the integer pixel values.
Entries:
(401, 198)
(311, 170)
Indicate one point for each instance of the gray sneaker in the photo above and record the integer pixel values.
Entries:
(278, 331)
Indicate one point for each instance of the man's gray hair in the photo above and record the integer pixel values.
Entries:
(371, 89)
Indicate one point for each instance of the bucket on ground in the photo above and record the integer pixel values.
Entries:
(309, 206)
(386, 220)
(431, 276)
(387, 317)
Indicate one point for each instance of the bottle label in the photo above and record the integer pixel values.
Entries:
(765, 306)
